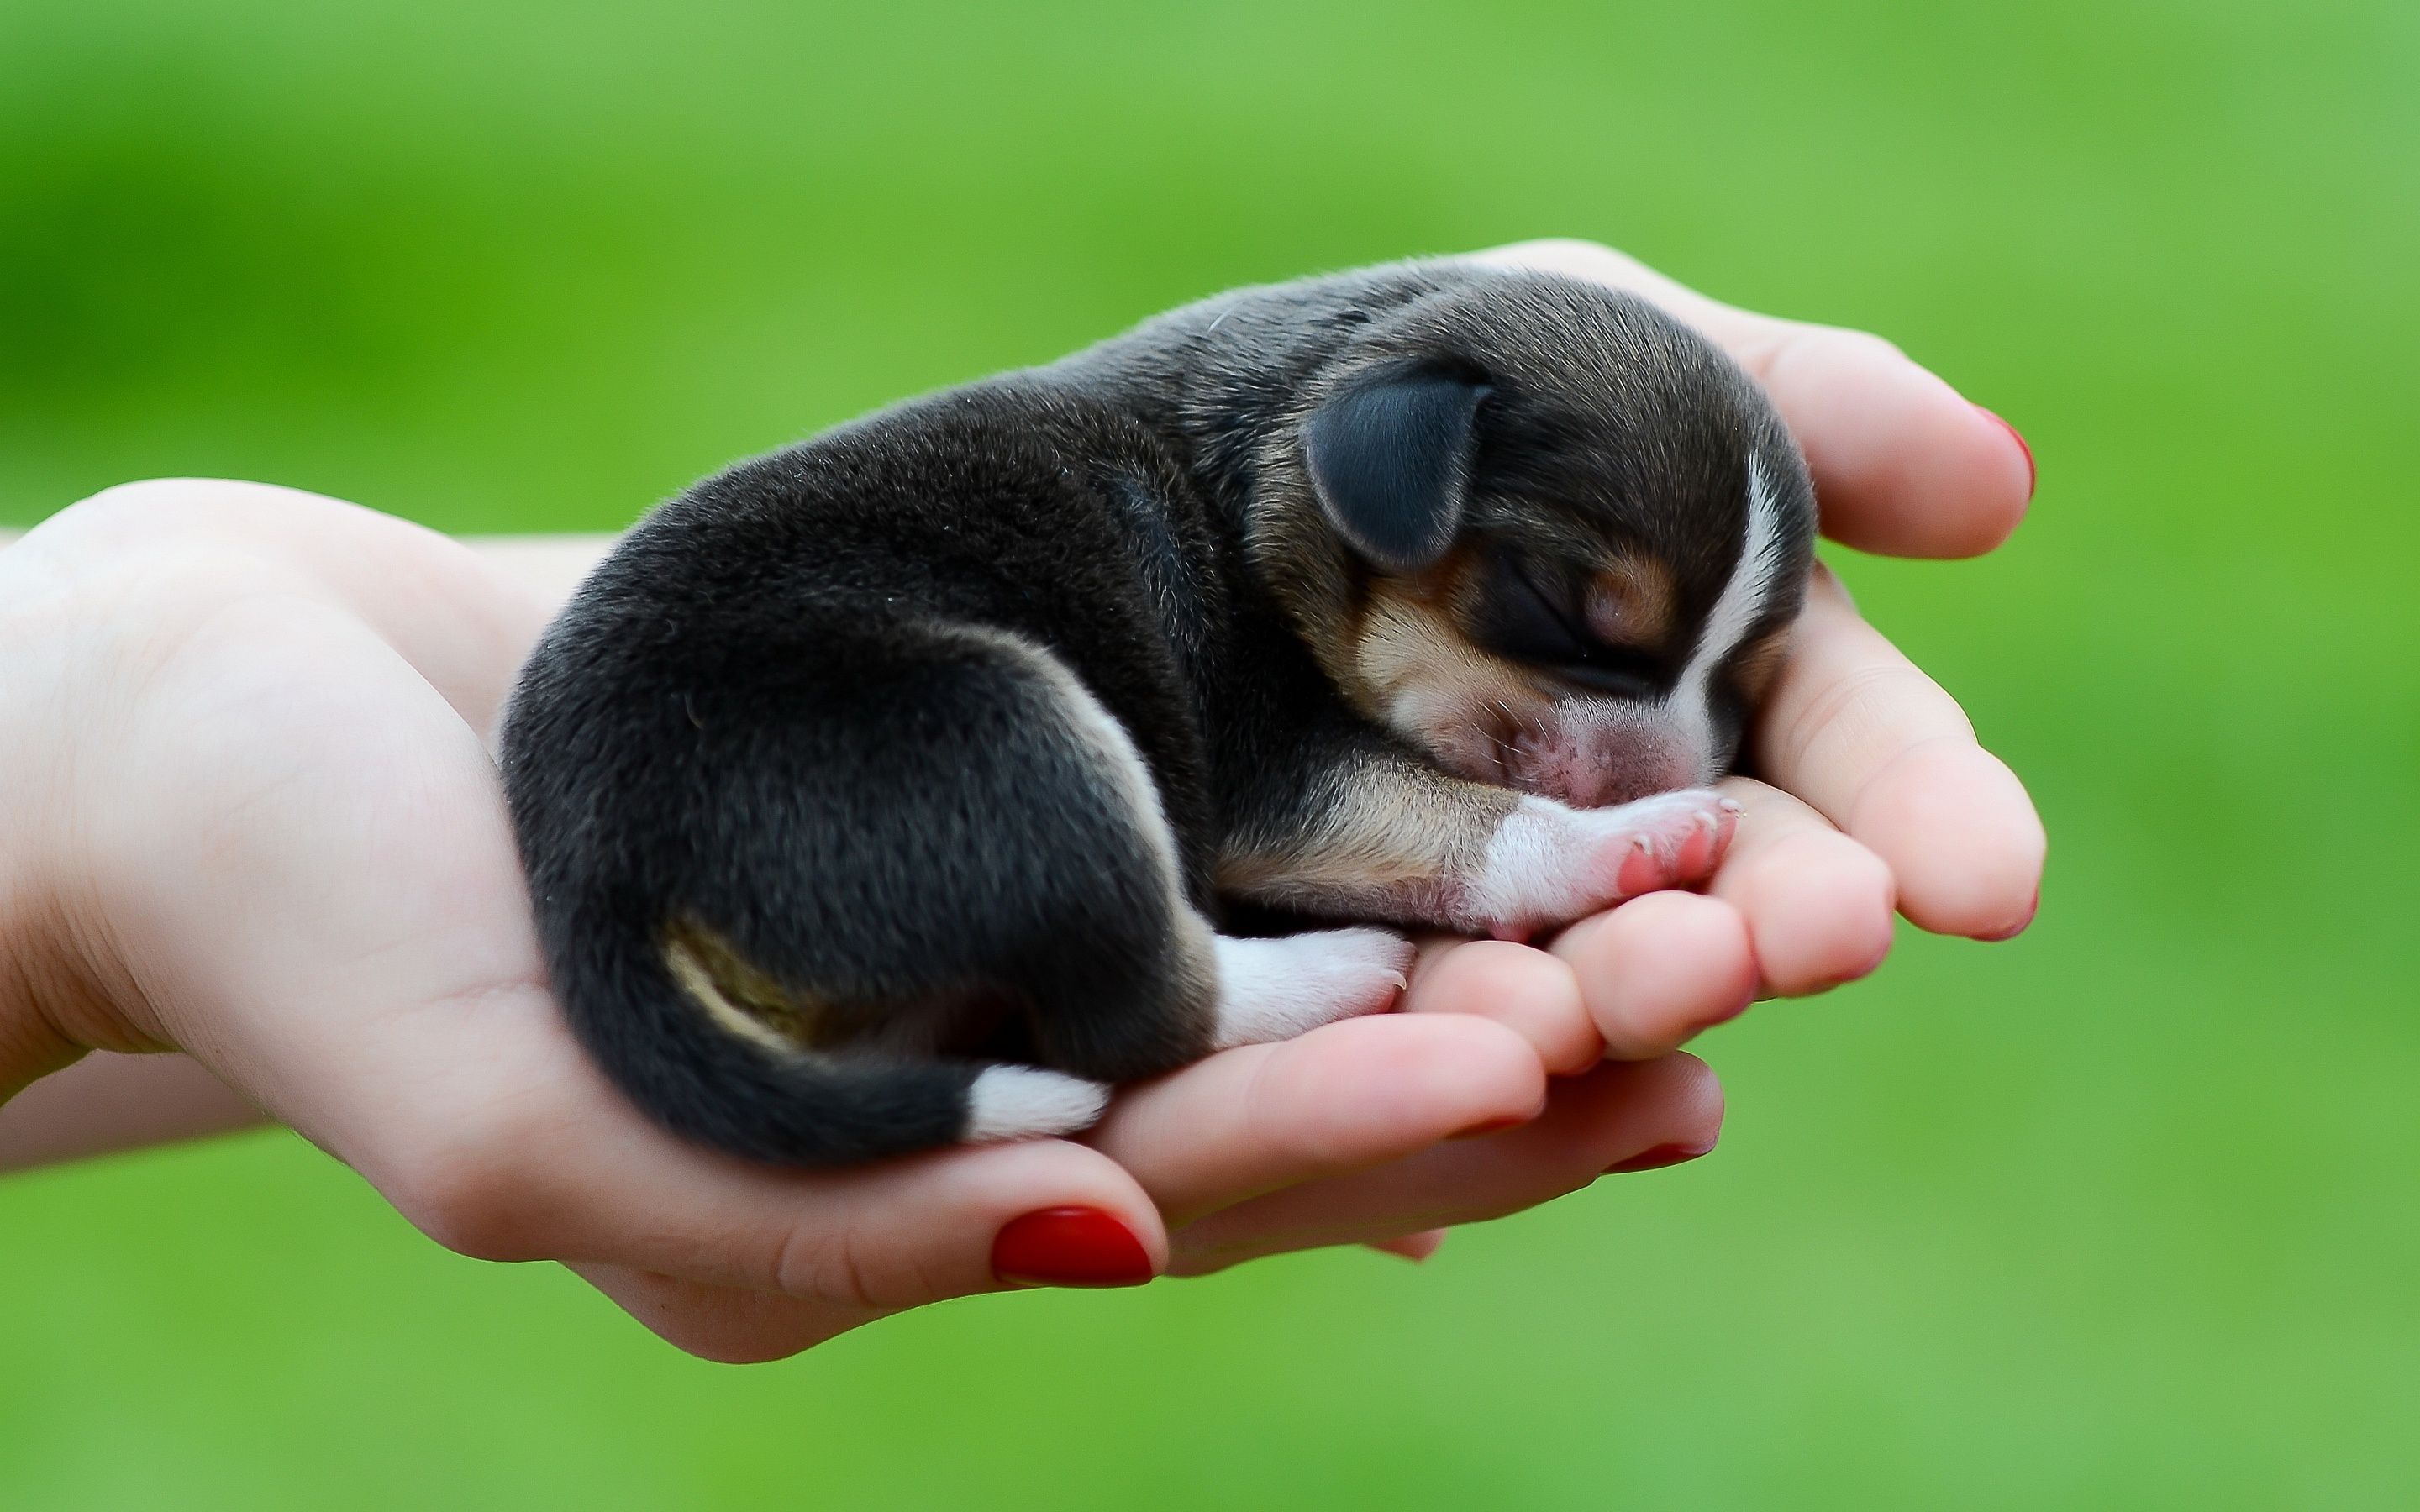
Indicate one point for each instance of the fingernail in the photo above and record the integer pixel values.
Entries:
(1415, 1248)
(1872, 963)
(2031, 476)
(1724, 1014)
(2020, 926)
(1656, 1158)
(1069, 1247)
(1491, 1126)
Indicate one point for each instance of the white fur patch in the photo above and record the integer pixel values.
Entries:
(1735, 613)
(1024, 1102)
(1275, 989)
(1535, 865)
(1547, 864)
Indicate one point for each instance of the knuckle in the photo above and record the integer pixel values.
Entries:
(1853, 700)
(144, 513)
(131, 506)
(839, 1266)
(143, 498)
(802, 1265)
(153, 505)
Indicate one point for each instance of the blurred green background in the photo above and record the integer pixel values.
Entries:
(2120, 1215)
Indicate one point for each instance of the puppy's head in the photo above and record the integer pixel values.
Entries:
(1543, 531)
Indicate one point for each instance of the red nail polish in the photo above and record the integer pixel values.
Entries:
(1657, 1158)
(2031, 476)
(1069, 1247)
(2020, 926)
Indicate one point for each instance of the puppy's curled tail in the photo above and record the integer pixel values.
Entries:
(680, 1025)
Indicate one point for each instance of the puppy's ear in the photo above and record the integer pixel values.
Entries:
(1390, 460)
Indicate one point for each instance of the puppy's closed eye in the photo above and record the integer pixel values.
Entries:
(1534, 613)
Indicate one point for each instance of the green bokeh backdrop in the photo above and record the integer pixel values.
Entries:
(2120, 1214)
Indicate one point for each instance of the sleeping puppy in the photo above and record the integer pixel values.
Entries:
(910, 784)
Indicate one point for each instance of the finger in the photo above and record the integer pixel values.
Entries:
(1620, 1114)
(1660, 968)
(1529, 992)
(1852, 727)
(1342, 1097)
(1413, 1247)
(1817, 904)
(1902, 463)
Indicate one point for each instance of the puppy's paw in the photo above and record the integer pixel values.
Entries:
(1275, 989)
(1548, 865)
(1674, 838)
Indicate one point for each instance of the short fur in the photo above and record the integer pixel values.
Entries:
(946, 740)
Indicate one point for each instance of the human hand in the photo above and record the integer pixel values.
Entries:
(1879, 799)
(286, 856)
(256, 821)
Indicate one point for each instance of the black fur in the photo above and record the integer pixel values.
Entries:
(799, 713)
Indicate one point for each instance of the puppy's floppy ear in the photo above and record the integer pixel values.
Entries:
(1389, 459)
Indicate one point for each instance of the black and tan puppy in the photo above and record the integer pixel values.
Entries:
(892, 790)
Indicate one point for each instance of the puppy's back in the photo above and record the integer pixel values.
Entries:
(819, 807)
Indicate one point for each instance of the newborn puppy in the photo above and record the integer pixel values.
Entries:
(892, 790)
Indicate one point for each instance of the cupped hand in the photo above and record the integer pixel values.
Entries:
(254, 819)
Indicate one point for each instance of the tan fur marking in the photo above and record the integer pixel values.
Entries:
(1420, 676)
(1759, 663)
(1381, 838)
(1405, 642)
(743, 1000)
(1632, 601)
(1410, 632)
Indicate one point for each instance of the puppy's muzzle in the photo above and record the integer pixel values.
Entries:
(1593, 756)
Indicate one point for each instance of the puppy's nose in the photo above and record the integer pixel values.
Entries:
(1598, 768)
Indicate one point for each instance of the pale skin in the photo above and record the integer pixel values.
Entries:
(252, 819)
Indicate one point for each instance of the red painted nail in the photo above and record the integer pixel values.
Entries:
(1069, 1247)
(2031, 475)
(1657, 1158)
(2020, 926)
